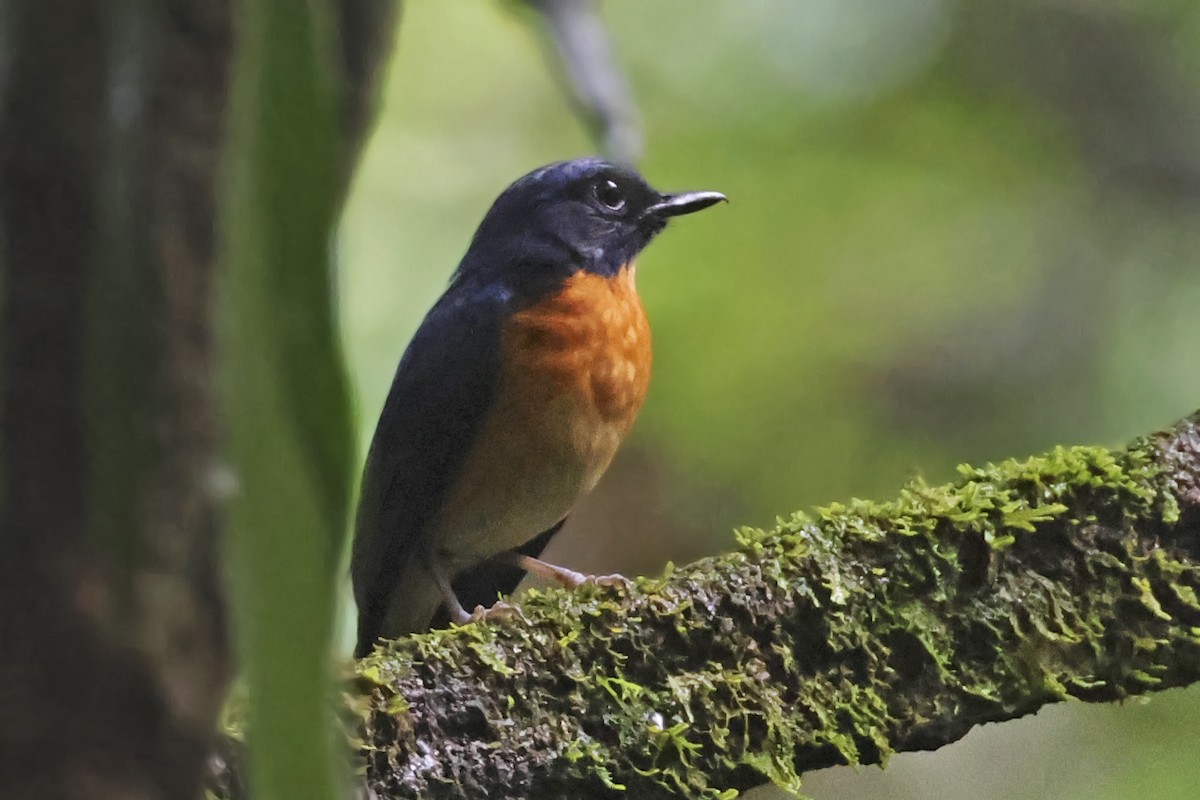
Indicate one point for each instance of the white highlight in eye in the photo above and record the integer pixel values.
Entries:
(609, 194)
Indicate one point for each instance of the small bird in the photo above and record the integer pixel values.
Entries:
(511, 399)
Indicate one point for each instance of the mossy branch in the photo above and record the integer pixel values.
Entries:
(842, 637)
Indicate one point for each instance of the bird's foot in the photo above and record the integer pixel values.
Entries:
(615, 579)
(570, 579)
(497, 611)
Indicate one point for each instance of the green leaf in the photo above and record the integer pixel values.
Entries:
(286, 406)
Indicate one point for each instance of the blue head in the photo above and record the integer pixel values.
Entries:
(587, 214)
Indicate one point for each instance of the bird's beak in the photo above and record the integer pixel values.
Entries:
(674, 205)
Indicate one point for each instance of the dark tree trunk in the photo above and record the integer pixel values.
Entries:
(109, 583)
(113, 648)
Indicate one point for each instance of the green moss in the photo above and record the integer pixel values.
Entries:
(841, 636)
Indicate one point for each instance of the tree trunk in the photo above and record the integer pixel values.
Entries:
(114, 657)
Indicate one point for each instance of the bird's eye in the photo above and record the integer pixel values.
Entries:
(609, 194)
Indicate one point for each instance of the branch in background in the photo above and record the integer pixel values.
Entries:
(367, 30)
(595, 79)
(865, 630)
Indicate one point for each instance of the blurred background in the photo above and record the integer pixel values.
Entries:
(959, 231)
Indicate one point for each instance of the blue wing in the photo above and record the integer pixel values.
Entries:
(441, 393)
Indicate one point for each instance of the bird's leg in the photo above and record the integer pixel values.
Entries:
(568, 578)
(535, 566)
(458, 614)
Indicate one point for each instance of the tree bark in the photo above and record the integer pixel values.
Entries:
(863, 630)
(113, 651)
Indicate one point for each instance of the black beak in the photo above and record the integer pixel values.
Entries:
(674, 205)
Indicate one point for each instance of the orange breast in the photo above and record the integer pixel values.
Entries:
(591, 340)
(575, 370)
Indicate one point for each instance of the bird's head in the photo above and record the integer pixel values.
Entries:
(587, 214)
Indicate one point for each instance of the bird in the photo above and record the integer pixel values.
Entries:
(511, 398)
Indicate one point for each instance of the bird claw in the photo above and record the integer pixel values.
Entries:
(615, 579)
(573, 580)
(497, 611)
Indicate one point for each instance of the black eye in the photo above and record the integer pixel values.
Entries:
(609, 194)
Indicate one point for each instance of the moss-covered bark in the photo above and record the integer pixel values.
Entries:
(840, 637)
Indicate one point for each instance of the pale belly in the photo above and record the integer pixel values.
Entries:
(523, 476)
(530, 467)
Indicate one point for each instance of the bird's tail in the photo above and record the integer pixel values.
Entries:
(408, 608)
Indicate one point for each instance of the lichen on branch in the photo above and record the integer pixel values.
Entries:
(840, 636)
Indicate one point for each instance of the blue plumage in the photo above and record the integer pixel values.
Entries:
(438, 400)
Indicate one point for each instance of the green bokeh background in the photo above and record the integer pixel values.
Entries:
(958, 231)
